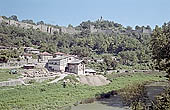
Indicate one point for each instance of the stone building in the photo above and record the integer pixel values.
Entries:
(66, 64)
(77, 67)
(57, 64)
(44, 57)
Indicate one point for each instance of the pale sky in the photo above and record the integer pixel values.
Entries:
(64, 12)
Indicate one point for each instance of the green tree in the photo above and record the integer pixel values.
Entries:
(70, 26)
(28, 21)
(110, 63)
(40, 22)
(13, 17)
(160, 45)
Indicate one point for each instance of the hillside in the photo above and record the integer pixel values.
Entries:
(99, 26)
(89, 39)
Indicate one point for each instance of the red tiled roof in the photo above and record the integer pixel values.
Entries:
(26, 54)
(46, 54)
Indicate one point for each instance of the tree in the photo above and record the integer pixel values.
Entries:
(40, 22)
(128, 57)
(129, 28)
(110, 63)
(70, 26)
(148, 27)
(160, 45)
(137, 27)
(28, 21)
(13, 17)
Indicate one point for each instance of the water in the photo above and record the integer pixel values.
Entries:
(112, 103)
(116, 102)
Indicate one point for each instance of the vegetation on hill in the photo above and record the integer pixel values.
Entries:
(160, 45)
(132, 47)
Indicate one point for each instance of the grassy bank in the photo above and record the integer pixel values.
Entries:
(4, 75)
(52, 96)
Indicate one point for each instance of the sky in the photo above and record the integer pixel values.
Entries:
(64, 12)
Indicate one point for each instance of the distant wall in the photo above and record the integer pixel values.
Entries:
(10, 83)
(43, 28)
(69, 30)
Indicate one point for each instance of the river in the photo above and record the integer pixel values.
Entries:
(116, 102)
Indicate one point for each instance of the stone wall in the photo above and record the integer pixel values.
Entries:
(11, 83)
(103, 31)
(146, 31)
(68, 30)
(43, 28)
(24, 81)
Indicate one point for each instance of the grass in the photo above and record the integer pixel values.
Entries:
(4, 75)
(53, 96)
(136, 66)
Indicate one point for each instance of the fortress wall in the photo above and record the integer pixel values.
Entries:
(68, 30)
(43, 28)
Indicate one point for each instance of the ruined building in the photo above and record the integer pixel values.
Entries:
(41, 27)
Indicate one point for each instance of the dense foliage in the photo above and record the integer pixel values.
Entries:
(5, 55)
(161, 47)
(131, 47)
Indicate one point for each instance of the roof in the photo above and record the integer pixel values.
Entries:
(90, 70)
(45, 54)
(58, 58)
(32, 49)
(59, 53)
(76, 62)
(29, 65)
(71, 55)
(26, 54)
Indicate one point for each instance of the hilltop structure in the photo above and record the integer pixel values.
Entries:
(42, 27)
(92, 27)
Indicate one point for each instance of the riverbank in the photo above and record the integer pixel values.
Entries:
(130, 98)
(53, 96)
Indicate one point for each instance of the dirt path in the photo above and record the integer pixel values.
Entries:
(62, 76)
(94, 80)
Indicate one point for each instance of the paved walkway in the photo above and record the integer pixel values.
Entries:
(62, 76)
